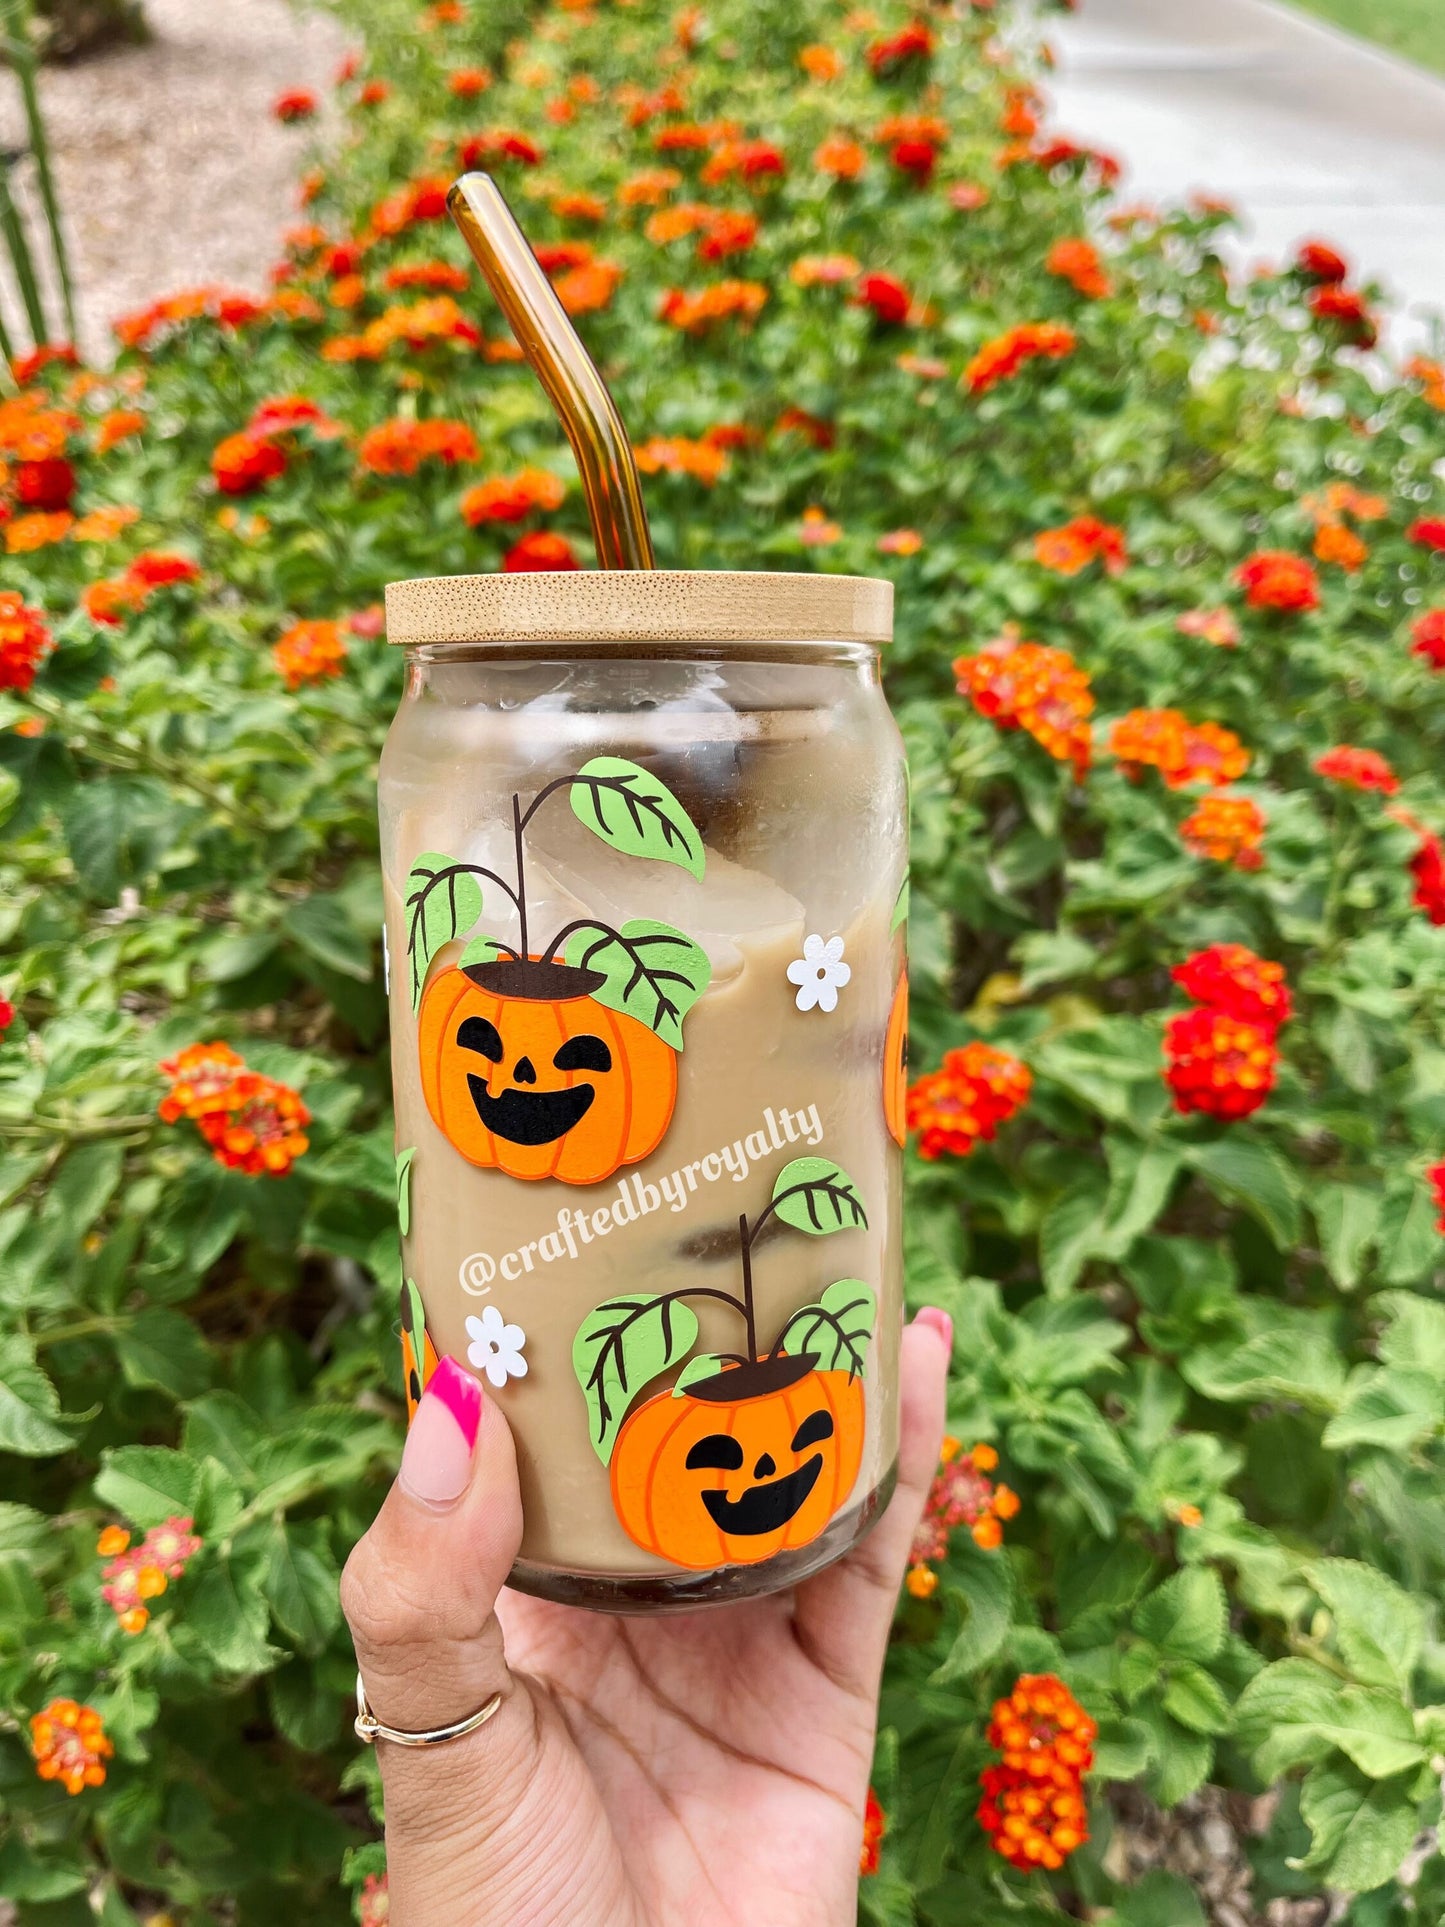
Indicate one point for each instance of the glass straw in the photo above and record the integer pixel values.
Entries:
(576, 390)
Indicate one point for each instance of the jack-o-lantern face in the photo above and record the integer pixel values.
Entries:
(754, 1461)
(418, 1354)
(895, 1065)
(525, 1072)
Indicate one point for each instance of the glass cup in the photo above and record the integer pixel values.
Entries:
(644, 844)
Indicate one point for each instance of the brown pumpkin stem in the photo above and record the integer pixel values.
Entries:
(517, 821)
(747, 1247)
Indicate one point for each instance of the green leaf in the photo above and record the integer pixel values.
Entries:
(1376, 1730)
(1069, 1234)
(1380, 1627)
(635, 812)
(1347, 1215)
(1160, 1900)
(228, 1618)
(1362, 1829)
(1186, 1617)
(622, 1346)
(985, 1584)
(900, 908)
(1244, 1171)
(1415, 1335)
(817, 1196)
(1196, 1699)
(1281, 1715)
(836, 1330)
(443, 901)
(163, 1348)
(28, 1404)
(1392, 1408)
(147, 1483)
(652, 972)
(699, 1368)
(84, 1186)
(324, 929)
(302, 1590)
(403, 1189)
(1409, 1238)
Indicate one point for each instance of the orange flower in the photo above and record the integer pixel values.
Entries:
(106, 523)
(1340, 545)
(797, 421)
(1275, 579)
(511, 498)
(1217, 626)
(118, 426)
(437, 277)
(968, 197)
(840, 157)
(1431, 376)
(32, 431)
(649, 188)
(540, 551)
(243, 463)
(1003, 357)
(467, 82)
(108, 601)
(70, 1745)
(27, 533)
(1023, 685)
(900, 542)
(752, 160)
(817, 532)
(875, 1825)
(823, 270)
(727, 232)
(142, 1573)
(822, 63)
(692, 313)
(1078, 262)
(584, 290)
(1343, 498)
(579, 207)
(1226, 829)
(961, 1105)
(1070, 549)
(1182, 752)
(703, 460)
(1033, 1802)
(400, 446)
(310, 651)
(1357, 769)
(675, 223)
(961, 1494)
(25, 641)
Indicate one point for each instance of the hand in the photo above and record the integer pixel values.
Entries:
(683, 1770)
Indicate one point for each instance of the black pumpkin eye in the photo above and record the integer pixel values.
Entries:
(475, 1033)
(585, 1053)
(816, 1427)
(716, 1453)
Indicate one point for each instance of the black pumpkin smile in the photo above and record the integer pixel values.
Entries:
(764, 1508)
(530, 1117)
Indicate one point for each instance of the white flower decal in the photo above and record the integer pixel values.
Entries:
(496, 1347)
(820, 973)
(386, 959)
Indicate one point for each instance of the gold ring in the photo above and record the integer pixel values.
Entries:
(369, 1728)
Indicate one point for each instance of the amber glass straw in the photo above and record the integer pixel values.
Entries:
(565, 369)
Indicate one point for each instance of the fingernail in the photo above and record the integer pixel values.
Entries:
(937, 1320)
(437, 1460)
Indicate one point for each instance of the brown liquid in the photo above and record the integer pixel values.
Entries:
(801, 838)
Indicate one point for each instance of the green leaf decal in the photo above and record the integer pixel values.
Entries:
(836, 1330)
(817, 1196)
(413, 1314)
(485, 950)
(900, 908)
(403, 1188)
(619, 1348)
(705, 1365)
(630, 809)
(443, 901)
(653, 972)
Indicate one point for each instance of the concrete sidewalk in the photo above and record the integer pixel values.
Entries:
(1308, 131)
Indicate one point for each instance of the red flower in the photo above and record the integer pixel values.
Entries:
(1078, 262)
(298, 104)
(243, 463)
(1181, 751)
(961, 1494)
(887, 297)
(511, 498)
(25, 641)
(962, 1104)
(49, 354)
(7, 1015)
(875, 1826)
(1219, 1065)
(1320, 262)
(1230, 979)
(1023, 685)
(1429, 532)
(1427, 638)
(885, 57)
(373, 93)
(540, 551)
(1427, 866)
(47, 484)
(1005, 355)
(1275, 579)
(159, 568)
(1357, 769)
(1346, 308)
(1070, 549)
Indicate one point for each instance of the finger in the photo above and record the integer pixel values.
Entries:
(841, 1618)
(419, 1592)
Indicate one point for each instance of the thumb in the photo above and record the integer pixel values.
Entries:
(419, 1591)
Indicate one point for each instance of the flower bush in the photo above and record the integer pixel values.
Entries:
(1170, 556)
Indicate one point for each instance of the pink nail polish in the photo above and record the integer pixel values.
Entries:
(437, 1460)
(937, 1320)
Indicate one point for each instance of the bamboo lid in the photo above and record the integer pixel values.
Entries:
(640, 605)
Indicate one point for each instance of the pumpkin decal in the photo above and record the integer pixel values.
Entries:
(751, 1462)
(524, 1071)
(747, 1455)
(418, 1354)
(895, 1065)
(560, 1063)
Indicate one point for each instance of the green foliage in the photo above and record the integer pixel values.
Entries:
(1209, 1353)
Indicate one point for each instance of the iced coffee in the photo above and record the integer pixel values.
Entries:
(644, 854)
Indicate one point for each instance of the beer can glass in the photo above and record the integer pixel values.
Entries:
(644, 844)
